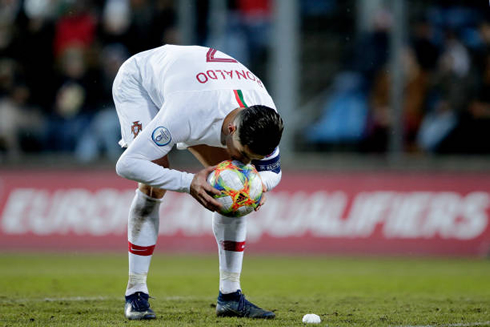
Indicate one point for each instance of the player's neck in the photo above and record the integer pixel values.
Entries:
(229, 119)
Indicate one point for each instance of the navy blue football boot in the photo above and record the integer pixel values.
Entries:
(236, 305)
(137, 307)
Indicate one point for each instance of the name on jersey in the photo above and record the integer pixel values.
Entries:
(223, 74)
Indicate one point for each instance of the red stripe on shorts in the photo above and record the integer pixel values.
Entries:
(233, 246)
(140, 250)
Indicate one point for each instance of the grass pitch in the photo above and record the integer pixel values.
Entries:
(87, 290)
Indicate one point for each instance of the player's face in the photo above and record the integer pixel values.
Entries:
(239, 152)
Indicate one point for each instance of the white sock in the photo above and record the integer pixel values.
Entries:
(230, 235)
(143, 223)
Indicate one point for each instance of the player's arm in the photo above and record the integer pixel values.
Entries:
(137, 162)
(269, 169)
(154, 142)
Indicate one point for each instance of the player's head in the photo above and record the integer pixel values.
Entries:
(258, 130)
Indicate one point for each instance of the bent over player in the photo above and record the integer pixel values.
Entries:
(203, 100)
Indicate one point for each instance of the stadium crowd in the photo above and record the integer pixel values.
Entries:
(58, 59)
(446, 69)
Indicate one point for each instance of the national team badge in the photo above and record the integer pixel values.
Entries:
(161, 136)
(136, 128)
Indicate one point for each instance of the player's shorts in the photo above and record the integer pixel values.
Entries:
(134, 106)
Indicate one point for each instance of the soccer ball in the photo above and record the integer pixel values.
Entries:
(240, 186)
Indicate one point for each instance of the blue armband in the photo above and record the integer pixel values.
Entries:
(272, 164)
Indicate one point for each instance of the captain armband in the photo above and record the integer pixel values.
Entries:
(271, 163)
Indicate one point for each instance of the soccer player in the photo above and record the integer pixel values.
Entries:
(203, 100)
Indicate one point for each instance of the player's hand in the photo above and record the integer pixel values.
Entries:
(262, 200)
(203, 192)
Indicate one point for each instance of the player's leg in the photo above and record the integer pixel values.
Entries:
(135, 110)
(143, 227)
(230, 234)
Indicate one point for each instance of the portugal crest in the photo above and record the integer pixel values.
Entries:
(136, 128)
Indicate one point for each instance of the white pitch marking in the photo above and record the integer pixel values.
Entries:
(66, 299)
(96, 298)
(469, 324)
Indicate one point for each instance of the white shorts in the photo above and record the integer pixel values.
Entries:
(134, 106)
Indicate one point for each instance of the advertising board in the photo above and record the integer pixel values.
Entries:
(318, 213)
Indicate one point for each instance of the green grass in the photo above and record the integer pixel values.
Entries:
(87, 290)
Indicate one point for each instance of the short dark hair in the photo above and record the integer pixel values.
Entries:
(260, 128)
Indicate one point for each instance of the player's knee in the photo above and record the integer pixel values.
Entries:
(152, 192)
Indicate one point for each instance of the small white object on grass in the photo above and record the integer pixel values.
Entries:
(311, 318)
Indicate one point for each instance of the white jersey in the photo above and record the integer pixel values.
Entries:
(178, 95)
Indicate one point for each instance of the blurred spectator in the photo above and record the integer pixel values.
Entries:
(8, 74)
(138, 24)
(141, 23)
(473, 127)
(425, 47)
(372, 50)
(342, 124)
(480, 105)
(479, 46)
(75, 101)
(248, 33)
(36, 36)
(381, 118)
(75, 28)
(452, 89)
(115, 22)
(9, 114)
(8, 15)
(164, 24)
(20, 125)
(102, 134)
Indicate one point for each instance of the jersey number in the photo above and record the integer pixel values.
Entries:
(210, 57)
